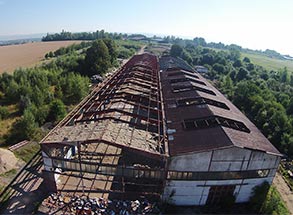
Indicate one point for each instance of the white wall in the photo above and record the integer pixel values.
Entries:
(47, 162)
(191, 162)
(230, 159)
(186, 192)
(181, 192)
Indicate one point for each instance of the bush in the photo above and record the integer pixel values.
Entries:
(4, 113)
(267, 200)
(57, 111)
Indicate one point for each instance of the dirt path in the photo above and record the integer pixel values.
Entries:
(26, 190)
(141, 51)
(284, 190)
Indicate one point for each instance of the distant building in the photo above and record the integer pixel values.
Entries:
(159, 132)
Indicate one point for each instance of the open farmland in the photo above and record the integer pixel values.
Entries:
(26, 55)
(269, 63)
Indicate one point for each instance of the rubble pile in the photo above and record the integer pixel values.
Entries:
(97, 206)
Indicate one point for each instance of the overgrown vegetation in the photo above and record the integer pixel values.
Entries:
(267, 200)
(27, 152)
(266, 97)
(288, 179)
(45, 93)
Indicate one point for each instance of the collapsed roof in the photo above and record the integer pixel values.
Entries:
(124, 111)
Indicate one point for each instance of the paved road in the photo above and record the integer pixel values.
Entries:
(26, 190)
(284, 190)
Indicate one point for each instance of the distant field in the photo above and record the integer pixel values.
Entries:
(266, 62)
(269, 63)
(27, 55)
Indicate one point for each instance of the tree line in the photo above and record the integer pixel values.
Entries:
(65, 35)
(199, 41)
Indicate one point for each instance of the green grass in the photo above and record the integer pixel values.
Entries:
(269, 63)
(274, 204)
(27, 152)
(264, 61)
(9, 173)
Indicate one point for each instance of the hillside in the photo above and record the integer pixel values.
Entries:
(269, 63)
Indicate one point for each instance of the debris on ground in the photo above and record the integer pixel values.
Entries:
(58, 203)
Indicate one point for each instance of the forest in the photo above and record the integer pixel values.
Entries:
(264, 96)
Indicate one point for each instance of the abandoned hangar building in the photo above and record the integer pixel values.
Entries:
(157, 128)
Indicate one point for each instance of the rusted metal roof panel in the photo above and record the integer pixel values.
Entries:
(182, 140)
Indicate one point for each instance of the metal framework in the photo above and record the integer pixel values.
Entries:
(101, 138)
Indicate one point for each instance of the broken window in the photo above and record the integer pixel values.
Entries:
(201, 101)
(173, 81)
(212, 121)
(190, 88)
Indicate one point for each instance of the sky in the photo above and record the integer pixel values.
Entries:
(254, 24)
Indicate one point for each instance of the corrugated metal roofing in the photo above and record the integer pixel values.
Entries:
(207, 138)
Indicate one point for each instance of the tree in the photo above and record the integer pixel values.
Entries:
(176, 50)
(199, 41)
(186, 56)
(227, 86)
(57, 111)
(237, 63)
(234, 54)
(246, 60)
(112, 47)
(290, 107)
(259, 195)
(24, 129)
(285, 76)
(219, 68)
(4, 113)
(242, 74)
(97, 59)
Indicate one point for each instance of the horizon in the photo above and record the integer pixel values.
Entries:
(257, 25)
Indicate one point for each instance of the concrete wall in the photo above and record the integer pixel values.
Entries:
(50, 170)
(182, 192)
(192, 162)
(47, 162)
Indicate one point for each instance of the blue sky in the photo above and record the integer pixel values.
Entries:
(256, 24)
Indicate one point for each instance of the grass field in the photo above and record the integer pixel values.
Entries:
(27, 55)
(264, 61)
(269, 63)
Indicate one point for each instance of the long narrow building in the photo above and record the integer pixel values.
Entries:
(215, 151)
(158, 129)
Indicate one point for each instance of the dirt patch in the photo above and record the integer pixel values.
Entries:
(27, 55)
(284, 190)
(8, 161)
